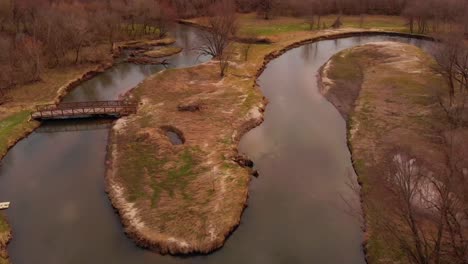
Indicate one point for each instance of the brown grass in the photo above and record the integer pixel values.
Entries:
(146, 43)
(395, 107)
(162, 52)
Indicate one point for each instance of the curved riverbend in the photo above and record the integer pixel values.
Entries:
(61, 213)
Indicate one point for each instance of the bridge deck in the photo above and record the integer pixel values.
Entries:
(84, 110)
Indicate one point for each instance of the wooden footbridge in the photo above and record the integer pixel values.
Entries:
(84, 110)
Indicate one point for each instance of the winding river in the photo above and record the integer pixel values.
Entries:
(60, 213)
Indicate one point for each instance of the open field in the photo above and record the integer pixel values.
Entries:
(386, 91)
(251, 26)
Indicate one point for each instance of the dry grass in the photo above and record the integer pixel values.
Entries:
(146, 42)
(189, 197)
(5, 236)
(162, 52)
(251, 25)
(395, 107)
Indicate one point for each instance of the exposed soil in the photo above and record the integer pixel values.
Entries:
(385, 91)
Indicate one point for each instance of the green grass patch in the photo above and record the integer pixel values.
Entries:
(266, 30)
(252, 25)
(13, 127)
(178, 178)
(346, 67)
(140, 161)
(4, 227)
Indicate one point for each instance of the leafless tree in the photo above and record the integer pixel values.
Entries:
(452, 58)
(224, 63)
(222, 26)
(266, 8)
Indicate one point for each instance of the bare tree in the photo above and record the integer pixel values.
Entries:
(266, 8)
(407, 183)
(452, 58)
(165, 15)
(222, 26)
(224, 63)
(6, 9)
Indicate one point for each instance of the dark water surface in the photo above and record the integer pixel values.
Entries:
(61, 214)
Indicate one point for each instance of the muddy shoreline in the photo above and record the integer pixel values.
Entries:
(325, 84)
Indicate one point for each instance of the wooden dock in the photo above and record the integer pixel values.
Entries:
(4, 205)
(84, 110)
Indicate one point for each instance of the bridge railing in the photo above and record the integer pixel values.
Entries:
(82, 109)
(75, 105)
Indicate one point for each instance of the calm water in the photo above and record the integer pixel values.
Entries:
(61, 214)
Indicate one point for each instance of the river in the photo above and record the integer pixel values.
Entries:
(61, 214)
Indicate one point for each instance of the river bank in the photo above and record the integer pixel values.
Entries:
(387, 92)
(15, 123)
(55, 84)
(149, 190)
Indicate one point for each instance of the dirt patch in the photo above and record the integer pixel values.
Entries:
(385, 90)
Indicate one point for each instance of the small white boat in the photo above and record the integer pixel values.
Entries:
(4, 205)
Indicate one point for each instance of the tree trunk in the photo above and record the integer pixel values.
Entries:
(77, 54)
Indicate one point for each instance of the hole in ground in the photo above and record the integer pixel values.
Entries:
(174, 134)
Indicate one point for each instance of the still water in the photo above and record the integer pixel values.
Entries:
(61, 214)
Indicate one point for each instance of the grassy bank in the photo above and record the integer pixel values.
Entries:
(20, 101)
(386, 91)
(4, 238)
(250, 25)
(15, 121)
(188, 198)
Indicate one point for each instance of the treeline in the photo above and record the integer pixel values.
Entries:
(431, 8)
(422, 15)
(39, 34)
